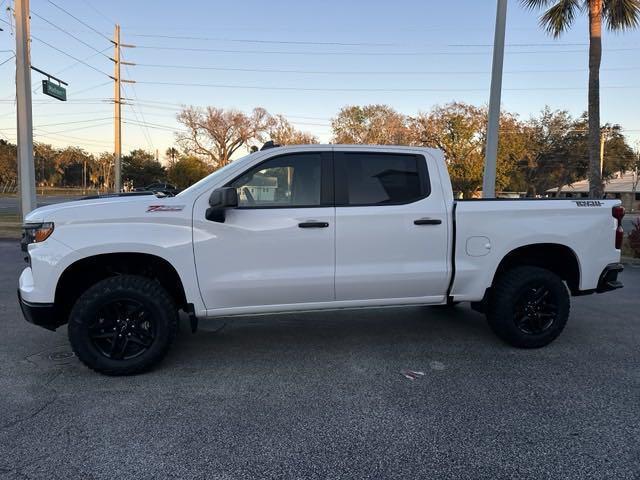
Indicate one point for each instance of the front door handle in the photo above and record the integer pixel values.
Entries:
(313, 225)
(427, 221)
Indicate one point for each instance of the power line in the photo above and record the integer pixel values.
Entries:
(371, 72)
(155, 125)
(80, 21)
(71, 56)
(135, 96)
(82, 128)
(352, 44)
(70, 34)
(394, 54)
(243, 40)
(108, 19)
(7, 60)
(93, 87)
(71, 123)
(340, 89)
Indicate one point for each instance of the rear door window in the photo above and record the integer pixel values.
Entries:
(379, 178)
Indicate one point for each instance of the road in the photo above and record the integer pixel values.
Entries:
(321, 396)
(10, 204)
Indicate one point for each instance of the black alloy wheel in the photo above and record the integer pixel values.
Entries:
(535, 310)
(123, 329)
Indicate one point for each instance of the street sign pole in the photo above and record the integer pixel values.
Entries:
(26, 168)
(491, 152)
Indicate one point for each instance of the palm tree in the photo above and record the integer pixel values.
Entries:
(617, 15)
(172, 154)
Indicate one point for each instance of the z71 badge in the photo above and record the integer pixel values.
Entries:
(589, 203)
(165, 208)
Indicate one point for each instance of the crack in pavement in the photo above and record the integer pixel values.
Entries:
(38, 410)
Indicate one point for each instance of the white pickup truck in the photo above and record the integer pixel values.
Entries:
(307, 228)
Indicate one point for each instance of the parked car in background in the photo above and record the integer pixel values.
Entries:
(167, 189)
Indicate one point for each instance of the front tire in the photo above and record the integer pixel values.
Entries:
(123, 325)
(528, 307)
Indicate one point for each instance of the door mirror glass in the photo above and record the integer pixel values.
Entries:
(225, 197)
(220, 200)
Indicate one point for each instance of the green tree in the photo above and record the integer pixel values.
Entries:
(172, 154)
(456, 129)
(370, 124)
(142, 168)
(548, 157)
(70, 165)
(617, 15)
(102, 173)
(8, 163)
(187, 170)
(459, 130)
(618, 155)
(44, 157)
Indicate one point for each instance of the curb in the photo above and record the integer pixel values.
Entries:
(630, 261)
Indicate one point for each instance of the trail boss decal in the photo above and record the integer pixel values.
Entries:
(589, 203)
(165, 208)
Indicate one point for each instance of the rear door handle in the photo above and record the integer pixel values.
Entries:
(427, 221)
(313, 225)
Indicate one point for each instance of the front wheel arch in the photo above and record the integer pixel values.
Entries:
(86, 272)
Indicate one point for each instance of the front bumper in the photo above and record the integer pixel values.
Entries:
(41, 314)
(609, 278)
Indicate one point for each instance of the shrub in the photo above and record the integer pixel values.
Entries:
(634, 238)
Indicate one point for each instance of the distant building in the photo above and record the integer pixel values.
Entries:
(624, 186)
(261, 189)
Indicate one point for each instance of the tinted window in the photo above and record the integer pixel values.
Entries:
(379, 178)
(286, 181)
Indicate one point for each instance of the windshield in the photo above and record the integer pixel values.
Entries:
(212, 177)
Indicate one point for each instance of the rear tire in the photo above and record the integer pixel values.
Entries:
(123, 325)
(528, 307)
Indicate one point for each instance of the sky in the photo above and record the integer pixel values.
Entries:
(305, 60)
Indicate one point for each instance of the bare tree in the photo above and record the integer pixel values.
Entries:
(283, 133)
(215, 134)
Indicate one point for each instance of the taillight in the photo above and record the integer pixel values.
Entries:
(618, 213)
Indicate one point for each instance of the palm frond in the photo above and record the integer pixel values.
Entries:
(560, 16)
(535, 4)
(621, 14)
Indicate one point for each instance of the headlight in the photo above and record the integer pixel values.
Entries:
(35, 233)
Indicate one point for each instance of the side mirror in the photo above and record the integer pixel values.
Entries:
(220, 200)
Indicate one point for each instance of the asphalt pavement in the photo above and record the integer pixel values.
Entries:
(323, 396)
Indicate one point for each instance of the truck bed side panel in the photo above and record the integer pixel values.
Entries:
(486, 231)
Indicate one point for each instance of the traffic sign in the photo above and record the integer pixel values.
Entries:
(53, 90)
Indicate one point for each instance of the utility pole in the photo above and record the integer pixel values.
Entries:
(117, 108)
(26, 167)
(117, 113)
(491, 152)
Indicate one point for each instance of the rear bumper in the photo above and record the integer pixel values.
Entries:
(41, 314)
(609, 278)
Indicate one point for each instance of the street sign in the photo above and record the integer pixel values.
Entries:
(53, 90)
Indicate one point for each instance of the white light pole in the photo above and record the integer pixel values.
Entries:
(491, 152)
(26, 168)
